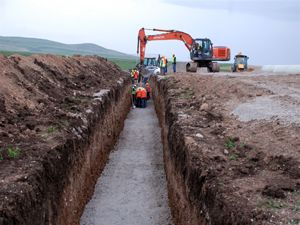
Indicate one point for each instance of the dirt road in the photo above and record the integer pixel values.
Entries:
(132, 188)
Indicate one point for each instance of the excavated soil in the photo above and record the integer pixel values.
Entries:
(231, 147)
(59, 118)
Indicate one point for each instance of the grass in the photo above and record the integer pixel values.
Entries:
(124, 64)
(1, 156)
(9, 53)
(13, 152)
(271, 204)
(233, 157)
(51, 130)
(230, 144)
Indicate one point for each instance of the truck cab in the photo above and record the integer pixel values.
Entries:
(150, 66)
(240, 63)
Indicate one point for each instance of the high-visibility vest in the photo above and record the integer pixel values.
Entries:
(133, 90)
(161, 62)
(144, 93)
(174, 60)
(132, 73)
(139, 93)
(164, 62)
(136, 74)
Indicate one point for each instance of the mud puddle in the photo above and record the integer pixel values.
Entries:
(132, 189)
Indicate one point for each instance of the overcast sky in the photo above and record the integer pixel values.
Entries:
(266, 30)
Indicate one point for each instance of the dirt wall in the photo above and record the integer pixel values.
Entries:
(184, 210)
(200, 192)
(64, 115)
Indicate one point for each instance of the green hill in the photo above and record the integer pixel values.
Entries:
(35, 45)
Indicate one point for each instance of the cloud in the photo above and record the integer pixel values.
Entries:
(274, 9)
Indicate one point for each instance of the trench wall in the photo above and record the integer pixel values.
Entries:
(107, 123)
(184, 211)
(63, 180)
(193, 190)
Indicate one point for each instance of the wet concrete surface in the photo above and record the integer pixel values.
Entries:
(132, 189)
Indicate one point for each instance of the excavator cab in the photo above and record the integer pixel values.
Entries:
(201, 49)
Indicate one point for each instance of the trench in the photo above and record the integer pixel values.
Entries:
(132, 188)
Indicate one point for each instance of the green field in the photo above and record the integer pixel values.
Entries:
(8, 53)
(225, 67)
(42, 46)
(124, 64)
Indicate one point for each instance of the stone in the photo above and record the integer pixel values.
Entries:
(204, 107)
(199, 135)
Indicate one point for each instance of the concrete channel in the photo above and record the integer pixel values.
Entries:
(132, 189)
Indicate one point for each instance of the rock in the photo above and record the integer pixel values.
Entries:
(204, 107)
(199, 135)
(226, 152)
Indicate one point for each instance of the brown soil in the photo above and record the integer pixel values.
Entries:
(48, 110)
(221, 170)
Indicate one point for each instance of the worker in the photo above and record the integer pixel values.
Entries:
(158, 60)
(133, 95)
(140, 78)
(143, 97)
(136, 75)
(148, 90)
(139, 97)
(164, 63)
(161, 65)
(174, 63)
(132, 76)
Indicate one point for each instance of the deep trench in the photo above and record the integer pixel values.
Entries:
(132, 189)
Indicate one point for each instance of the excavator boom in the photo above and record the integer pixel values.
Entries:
(169, 35)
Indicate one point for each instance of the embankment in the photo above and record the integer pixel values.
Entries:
(61, 116)
(198, 175)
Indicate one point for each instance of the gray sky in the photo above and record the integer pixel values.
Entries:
(266, 30)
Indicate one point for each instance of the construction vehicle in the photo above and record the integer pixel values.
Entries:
(202, 52)
(240, 63)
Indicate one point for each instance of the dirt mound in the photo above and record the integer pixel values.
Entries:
(40, 95)
(45, 101)
(222, 170)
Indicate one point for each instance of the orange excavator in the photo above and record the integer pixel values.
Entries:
(202, 52)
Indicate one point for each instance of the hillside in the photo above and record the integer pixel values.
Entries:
(35, 45)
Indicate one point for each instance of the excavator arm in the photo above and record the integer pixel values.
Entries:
(168, 35)
(202, 52)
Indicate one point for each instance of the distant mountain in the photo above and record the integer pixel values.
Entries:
(35, 45)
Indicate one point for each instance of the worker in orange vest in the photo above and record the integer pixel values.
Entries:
(138, 97)
(144, 97)
(136, 75)
(148, 90)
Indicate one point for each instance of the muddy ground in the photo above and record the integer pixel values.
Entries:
(49, 106)
(242, 134)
